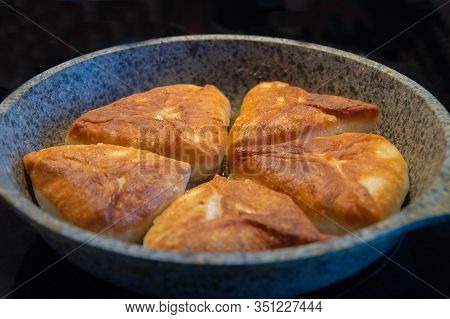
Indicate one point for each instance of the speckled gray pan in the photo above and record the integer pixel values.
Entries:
(38, 114)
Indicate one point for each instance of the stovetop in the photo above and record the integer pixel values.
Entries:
(425, 253)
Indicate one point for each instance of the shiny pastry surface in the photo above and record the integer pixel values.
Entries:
(182, 121)
(276, 112)
(342, 182)
(230, 216)
(113, 190)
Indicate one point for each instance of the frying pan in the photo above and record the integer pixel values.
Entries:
(38, 114)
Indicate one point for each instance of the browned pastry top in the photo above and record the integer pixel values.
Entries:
(275, 112)
(105, 188)
(342, 182)
(229, 215)
(182, 121)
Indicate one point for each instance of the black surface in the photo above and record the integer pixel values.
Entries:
(422, 53)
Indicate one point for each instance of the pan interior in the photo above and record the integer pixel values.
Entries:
(41, 114)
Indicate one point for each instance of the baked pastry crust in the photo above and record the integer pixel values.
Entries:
(107, 189)
(276, 112)
(229, 216)
(185, 122)
(343, 182)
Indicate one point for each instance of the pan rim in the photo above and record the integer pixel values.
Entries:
(391, 226)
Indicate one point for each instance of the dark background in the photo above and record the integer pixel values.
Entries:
(422, 53)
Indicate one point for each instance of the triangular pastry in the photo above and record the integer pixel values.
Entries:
(113, 190)
(276, 112)
(229, 216)
(342, 182)
(185, 122)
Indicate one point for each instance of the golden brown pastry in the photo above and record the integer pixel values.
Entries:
(276, 112)
(184, 122)
(229, 216)
(341, 182)
(107, 189)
